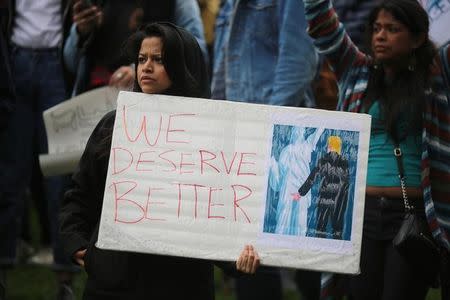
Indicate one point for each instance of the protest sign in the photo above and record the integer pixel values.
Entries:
(439, 15)
(69, 125)
(202, 178)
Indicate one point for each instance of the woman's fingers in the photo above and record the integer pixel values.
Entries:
(80, 11)
(79, 257)
(240, 263)
(122, 78)
(255, 261)
(86, 18)
(248, 261)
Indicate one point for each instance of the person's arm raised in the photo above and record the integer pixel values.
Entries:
(330, 36)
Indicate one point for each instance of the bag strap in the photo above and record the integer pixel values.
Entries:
(444, 63)
(401, 175)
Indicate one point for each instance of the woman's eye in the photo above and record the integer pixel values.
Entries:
(158, 59)
(393, 29)
(142, 60)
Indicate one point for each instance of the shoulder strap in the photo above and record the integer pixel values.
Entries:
(401, 175)
(445, 64)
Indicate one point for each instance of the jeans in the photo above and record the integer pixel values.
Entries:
(39, 84)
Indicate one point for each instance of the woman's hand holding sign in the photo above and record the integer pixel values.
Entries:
(248, 261)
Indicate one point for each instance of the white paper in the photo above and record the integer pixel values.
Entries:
(439, 15)
(69, 125)
(193, 180)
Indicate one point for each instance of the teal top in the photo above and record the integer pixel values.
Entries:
(382, 164)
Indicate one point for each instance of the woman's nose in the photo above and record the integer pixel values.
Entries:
(381, 34)
(148, 67)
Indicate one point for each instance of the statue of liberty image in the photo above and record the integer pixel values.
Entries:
(284, 176)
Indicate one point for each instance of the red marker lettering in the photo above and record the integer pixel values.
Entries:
(210, 204)
(130, 203)
(242, 162)
(236, 200)
(149, 195)
(114, 153)
(144, 161)
(174, 166)
(182, 163)
(179, 200)
(142, 129)
(170, 130)
(228, 170)
(195, 197)
(203, 160)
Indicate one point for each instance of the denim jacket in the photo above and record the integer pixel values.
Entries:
(263, 53)
(186, 15)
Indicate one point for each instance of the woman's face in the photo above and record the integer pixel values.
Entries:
(151, 74)
(391, 39)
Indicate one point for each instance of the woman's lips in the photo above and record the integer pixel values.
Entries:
(380, 48)
(147, 79)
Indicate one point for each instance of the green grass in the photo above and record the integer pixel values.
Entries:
(29, 282)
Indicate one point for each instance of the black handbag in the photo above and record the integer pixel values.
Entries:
(414, 240)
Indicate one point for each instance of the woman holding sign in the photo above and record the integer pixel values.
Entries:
(404, 85)
(167, 61)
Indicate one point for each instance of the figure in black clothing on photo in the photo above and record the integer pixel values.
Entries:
(333, 171)
(168, 60)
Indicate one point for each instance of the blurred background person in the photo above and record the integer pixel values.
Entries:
(209, 9)
(7, 98)
(93, 53)
(34, 35)
(7, 94)
(262, 54)
(403, 84)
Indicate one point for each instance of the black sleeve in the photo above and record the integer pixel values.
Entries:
(306, 186)
(7, 95)
(228, 268)
(81, 208)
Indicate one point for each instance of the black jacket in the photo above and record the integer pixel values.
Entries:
(333, 171)
(7, 95)
(122, 275)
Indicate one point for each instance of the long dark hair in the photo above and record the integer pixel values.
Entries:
(181, 56)
(406, 91)
(183, 61)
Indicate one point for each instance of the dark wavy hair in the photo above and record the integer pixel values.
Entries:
(181, 56)
(405, 92)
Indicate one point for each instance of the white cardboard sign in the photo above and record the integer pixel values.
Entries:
(68, 126)
(202, 178)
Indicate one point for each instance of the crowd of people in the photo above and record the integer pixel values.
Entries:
(372, 57)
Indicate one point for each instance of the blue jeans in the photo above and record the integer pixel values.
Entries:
(39, 84)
